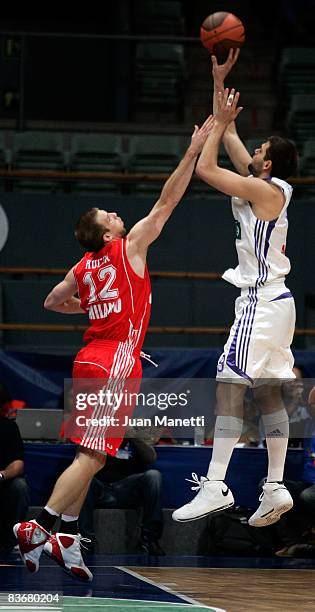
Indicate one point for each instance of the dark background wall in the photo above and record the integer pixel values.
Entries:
(92, 79)
(198, 237)
(91, 82)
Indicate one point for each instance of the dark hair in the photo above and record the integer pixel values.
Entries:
(89, 232)
(283, 154)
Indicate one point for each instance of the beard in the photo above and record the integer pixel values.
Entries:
(255, 168)
(252, 169)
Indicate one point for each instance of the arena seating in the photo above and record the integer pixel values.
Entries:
(308, 159)
(301, 117)
(297, 70)
(152, 153)
(158, 17)
(39, 150)
(5, 149)
(158, 77)
(96, 152)
(69, 153)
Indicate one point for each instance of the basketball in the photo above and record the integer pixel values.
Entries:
(222, 31)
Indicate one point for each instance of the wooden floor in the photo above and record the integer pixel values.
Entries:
(241, 590)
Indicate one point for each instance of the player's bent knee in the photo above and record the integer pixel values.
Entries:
(308, 497)
(268, 398)
(91, 459)
(19, 486)
(153, 476)
(230, 399)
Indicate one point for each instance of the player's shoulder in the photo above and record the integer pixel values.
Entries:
(116, 247)
(281, 183)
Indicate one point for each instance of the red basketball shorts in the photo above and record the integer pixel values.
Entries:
(106, 380)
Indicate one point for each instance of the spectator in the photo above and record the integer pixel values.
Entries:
(295, 528)
(126, 482)
(14, 491)
(293, 395)
(9, 406)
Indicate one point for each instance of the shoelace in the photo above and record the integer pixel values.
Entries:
(148, 358)
(262, 494)
(199, 483)
(82, 539)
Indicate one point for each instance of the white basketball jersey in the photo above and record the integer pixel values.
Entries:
(260, 244)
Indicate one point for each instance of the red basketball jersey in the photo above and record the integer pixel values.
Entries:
(116, 299)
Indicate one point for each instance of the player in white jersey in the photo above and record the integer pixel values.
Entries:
(257, 352)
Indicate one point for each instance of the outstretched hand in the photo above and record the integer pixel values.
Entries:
(227, 110)
(200, 135)
(220, 71)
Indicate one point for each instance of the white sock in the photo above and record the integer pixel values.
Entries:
(51, 511)
(227, 432)
(276, 427)
(67, 518)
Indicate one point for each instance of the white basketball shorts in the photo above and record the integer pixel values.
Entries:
(259, 343)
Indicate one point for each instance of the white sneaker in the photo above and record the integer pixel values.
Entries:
(65, 549)
(31, 539)
(275, 500)
(212, 496)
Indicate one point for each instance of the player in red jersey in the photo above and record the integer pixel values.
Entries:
(114, 287)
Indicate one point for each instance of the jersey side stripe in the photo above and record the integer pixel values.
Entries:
(128, 279)
(244, 329)
(250, 330)
(121, 368)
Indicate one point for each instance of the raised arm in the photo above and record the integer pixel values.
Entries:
(234, 147)
(62, 297)
(264, 198)
(148, 229)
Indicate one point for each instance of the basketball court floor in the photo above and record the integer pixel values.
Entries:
(166, 584)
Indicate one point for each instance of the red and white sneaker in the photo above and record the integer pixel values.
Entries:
(65, 549)
(31, 539)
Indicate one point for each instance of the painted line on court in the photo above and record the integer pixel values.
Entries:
(163, 587)
(142, 602)
(99, 603)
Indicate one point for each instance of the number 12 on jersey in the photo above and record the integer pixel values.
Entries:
(106, 276)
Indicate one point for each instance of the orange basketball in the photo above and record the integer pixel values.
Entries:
(221, 32)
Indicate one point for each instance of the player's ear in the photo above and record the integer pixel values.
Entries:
(267, 165)
(107, 237)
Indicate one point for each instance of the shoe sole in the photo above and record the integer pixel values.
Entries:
(66, 569)
(196, 518)
(274, 517)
